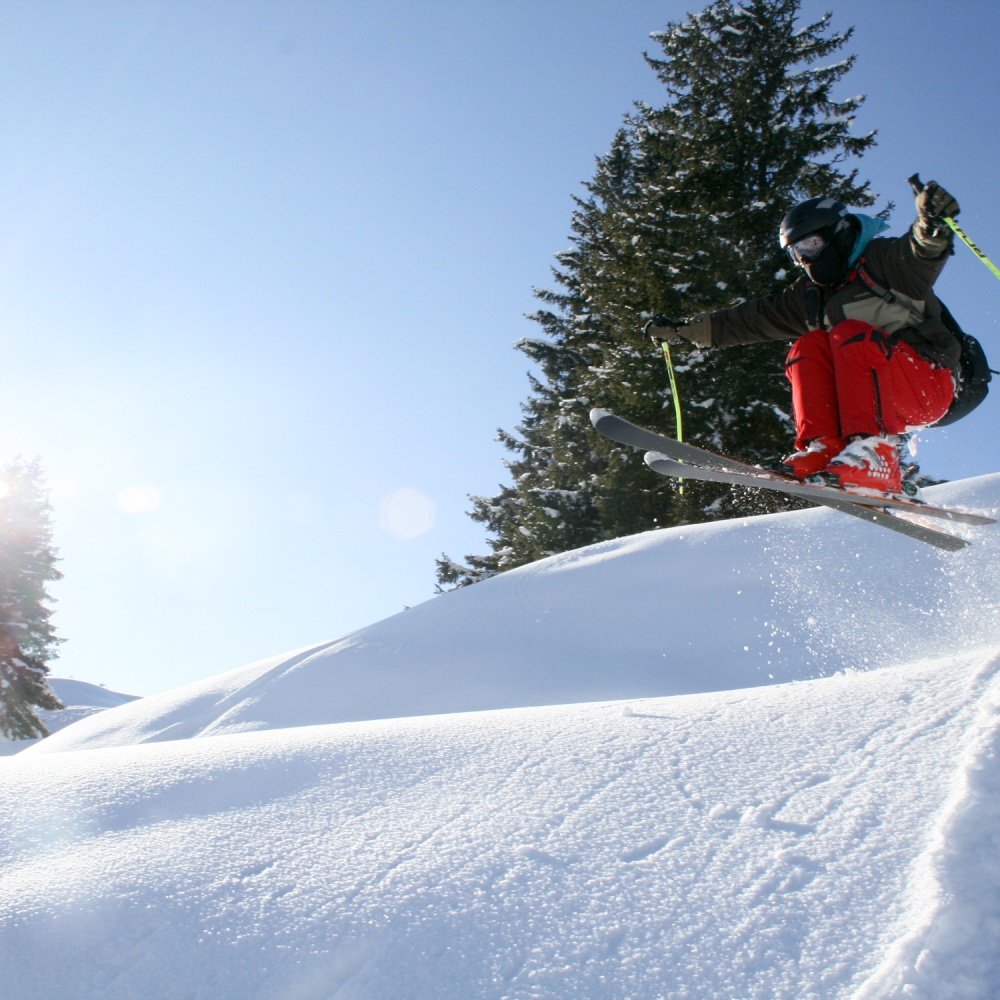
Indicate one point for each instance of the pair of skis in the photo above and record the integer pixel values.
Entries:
(685, 461)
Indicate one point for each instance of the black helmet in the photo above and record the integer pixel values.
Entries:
(817, 215)
(826, 263)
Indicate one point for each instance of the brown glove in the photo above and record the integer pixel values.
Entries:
(931, 233)
(934, 203)
(661, 328)
(697, 331)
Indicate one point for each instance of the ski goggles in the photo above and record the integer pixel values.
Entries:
(807, 249)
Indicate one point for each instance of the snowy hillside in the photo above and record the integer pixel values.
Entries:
(713, 607)
(80, 700)
(719, 833)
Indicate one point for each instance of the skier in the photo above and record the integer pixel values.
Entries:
(872, 357)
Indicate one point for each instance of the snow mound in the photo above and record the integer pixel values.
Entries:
(712, 607)
(720, 833)
(834, 838)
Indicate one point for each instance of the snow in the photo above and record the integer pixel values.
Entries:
(80, 699)
(747, 759)
(81, 694)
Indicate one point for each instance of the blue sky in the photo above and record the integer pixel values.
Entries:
(262, 265)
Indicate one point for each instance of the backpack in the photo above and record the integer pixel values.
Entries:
(974, 373)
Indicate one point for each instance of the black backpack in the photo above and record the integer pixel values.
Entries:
(974, 373)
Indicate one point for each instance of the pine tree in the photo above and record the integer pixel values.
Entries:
(680, 217)
(27, 564)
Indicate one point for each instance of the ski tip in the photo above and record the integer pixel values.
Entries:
(597, 415)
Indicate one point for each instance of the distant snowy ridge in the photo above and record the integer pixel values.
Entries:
(81, 694)
(81, 700)
(718, 606)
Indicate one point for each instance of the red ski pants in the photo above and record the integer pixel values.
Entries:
(856, 379)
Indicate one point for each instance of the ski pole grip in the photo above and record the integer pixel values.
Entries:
(916, 183)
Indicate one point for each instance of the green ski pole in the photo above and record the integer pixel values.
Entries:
(672, 376)
(957, 230)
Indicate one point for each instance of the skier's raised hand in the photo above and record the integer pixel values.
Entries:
(934, 202)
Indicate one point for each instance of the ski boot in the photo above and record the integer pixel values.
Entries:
(867, 463)
(813, 458)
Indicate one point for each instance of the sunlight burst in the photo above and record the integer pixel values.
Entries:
(139, 499)
(406, 513)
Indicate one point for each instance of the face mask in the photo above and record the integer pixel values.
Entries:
(829, 267)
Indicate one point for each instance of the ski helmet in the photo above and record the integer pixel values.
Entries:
(813, 216)
(836, 230)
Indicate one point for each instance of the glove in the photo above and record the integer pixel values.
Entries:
(931, 235)
(660, 329)
(696, 331)
(934, 203)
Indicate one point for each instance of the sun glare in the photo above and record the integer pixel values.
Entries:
(406, 513)
(139, 499)
(4, 489)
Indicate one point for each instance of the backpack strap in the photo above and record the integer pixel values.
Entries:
(886, 294)
(814, 306)
(873, 286)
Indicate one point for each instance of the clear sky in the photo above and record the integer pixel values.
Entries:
(262, 265)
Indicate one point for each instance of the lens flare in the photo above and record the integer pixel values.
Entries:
(139, 499)
(406, 513)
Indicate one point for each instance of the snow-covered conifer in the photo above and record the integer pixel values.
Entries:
(680, 217)
(27, 564)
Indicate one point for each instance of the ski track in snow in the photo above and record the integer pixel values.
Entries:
(828, 838)
(948, 944)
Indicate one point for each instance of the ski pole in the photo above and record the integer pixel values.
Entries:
(918, 186)
(672, 376)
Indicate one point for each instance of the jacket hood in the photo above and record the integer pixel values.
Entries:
(871, 226)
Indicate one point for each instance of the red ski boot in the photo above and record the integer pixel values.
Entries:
(867, 463)
(813, 458)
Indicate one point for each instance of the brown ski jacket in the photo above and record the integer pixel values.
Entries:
(897, 297)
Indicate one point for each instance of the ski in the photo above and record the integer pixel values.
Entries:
(932, 536)
(618, 429)
(666, 455)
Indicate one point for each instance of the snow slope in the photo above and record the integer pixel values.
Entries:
(773, 842)
(80, 700)
(712, 607)
(829, 838)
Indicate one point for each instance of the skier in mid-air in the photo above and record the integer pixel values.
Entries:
(872, 358)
